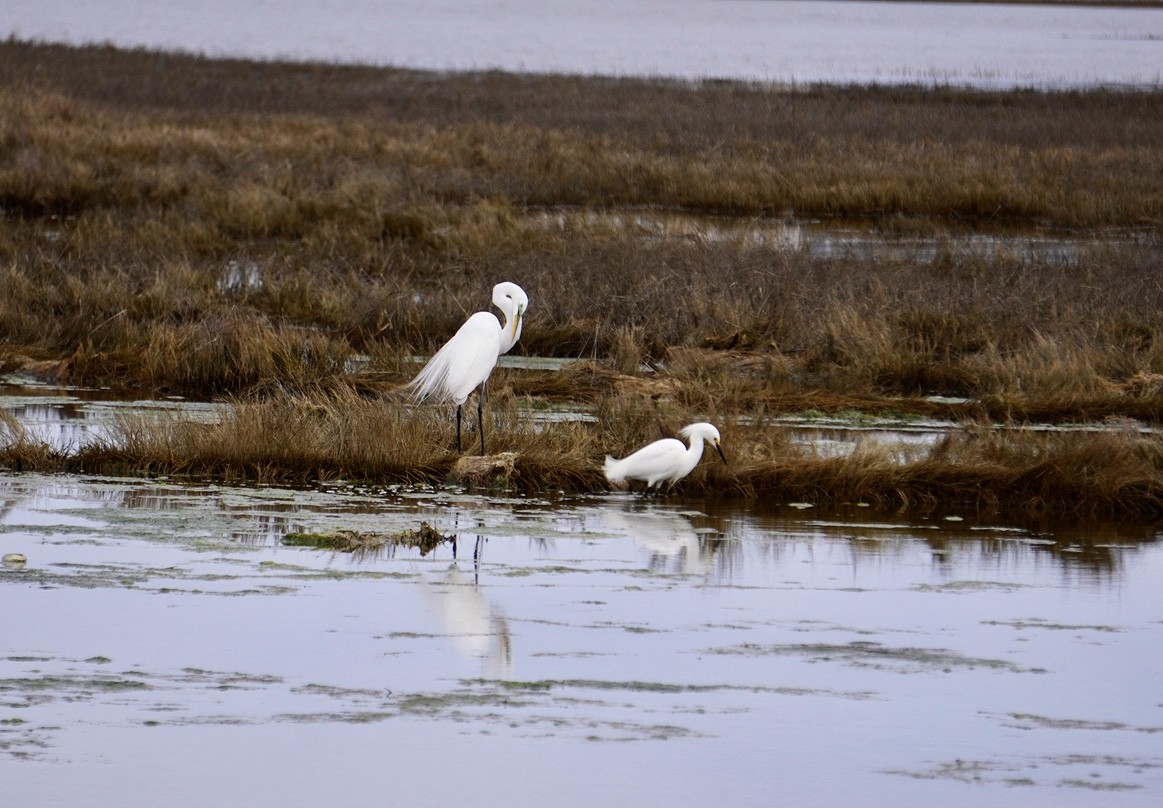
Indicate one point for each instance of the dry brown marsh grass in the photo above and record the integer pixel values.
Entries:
(300, 436)
(1035, 336)
(292, 146)
(335, 435)
(1093, 474)
(293, 234)
(1024, 332)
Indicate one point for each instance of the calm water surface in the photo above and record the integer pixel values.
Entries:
(162, 647)
(979, 44)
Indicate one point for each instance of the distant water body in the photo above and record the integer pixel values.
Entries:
(980, 45)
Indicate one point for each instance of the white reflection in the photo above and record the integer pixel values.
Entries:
(476, 629)
(238, 278)
(64, 426)
(670, 537)
(67, 419)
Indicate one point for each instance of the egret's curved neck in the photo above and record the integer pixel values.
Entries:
(511, 331)
(695, 452)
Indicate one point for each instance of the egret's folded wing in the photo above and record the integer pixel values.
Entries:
(463, 362)
(655, 461)
(474, 359)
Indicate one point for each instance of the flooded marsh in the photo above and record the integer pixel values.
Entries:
(890, 458)
(289, 238)
(161, 631)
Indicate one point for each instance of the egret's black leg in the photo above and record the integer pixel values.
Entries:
(458, 427)
(476, 562)
(481, 416)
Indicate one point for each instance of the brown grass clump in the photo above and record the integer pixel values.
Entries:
(1093, 474)
(21, 452)
(300, 438)
(305, 436)
(425, 539)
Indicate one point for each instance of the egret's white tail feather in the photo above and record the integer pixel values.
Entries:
(432, 379)
(614, 471)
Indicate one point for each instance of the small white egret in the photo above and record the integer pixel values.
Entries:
(666, 460)
(466, 360)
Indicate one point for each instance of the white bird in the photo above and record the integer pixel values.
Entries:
(466, 360)
(666, 460)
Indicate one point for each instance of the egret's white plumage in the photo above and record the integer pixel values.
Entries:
(465, 361)
(667, 460)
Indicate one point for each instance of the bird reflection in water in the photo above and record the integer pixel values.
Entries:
(477, 629)
(674, 543)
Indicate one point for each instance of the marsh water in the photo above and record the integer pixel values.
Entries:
(801, 41)
(162, 645)
(865, 241)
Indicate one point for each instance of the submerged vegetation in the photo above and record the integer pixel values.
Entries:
(293, 236)
(425, 539)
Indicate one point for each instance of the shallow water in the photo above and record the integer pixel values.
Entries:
(160, 643)
(978, 44)
(68, 418)
(823, 239)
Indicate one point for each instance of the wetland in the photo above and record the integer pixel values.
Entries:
(290, 237)
(926, 321)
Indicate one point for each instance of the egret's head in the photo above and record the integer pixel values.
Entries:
(512, 300)
(707, 432)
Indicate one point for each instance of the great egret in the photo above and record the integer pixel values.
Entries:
(666, 460)
(466, 360)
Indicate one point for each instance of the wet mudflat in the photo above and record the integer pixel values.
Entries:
(161, 642)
